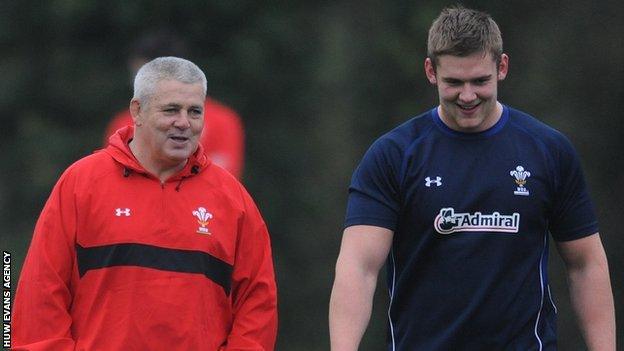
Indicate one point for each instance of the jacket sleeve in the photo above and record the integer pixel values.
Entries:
(254, 292)
(43, 297)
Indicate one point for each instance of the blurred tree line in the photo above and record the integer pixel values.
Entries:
(315, 82)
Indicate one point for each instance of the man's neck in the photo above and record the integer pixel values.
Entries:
(153, 166)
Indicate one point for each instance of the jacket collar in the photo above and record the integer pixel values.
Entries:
(119, 149)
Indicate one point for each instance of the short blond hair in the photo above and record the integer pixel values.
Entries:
(460, 31)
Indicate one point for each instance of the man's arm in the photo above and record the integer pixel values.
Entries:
(254, 292)
(363, 252)
(41, 318)
(590, 290)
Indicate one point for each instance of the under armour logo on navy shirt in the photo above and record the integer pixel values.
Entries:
(437, 181)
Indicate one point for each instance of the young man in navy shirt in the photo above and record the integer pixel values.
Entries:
(459, 203)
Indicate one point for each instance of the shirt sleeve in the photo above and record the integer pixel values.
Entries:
(43, 298)
(374, 193)
(254, 292)
(573, 215)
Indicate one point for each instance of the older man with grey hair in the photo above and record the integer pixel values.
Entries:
(146, 245)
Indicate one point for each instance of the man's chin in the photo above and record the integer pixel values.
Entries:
(470, 124)
(179, 155)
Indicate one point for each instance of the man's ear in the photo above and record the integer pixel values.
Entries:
(503, 67)
(430, 71)
(135, 111)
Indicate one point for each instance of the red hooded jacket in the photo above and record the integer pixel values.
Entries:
(121, 261)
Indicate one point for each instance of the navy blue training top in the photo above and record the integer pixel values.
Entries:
(471, 214)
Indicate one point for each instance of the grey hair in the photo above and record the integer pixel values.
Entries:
(165, 68)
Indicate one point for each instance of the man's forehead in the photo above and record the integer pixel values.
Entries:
(484, 54)
(475, 64)
(172, 84)
(172, 91)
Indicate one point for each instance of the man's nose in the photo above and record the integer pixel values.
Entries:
(182, 120)
(467, 94)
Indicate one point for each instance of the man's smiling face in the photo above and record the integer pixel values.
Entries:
(467, 87)
(171, 122)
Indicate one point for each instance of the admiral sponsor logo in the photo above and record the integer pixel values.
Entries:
(6, 300)
(447, 222)
(203, 217)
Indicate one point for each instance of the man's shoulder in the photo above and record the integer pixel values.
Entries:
(394, 146)
(90, 166)
(408, 132)
(81, 175)
(535, 128)
(218, 177)
(525, 120)
(216, 173)
(224, 183)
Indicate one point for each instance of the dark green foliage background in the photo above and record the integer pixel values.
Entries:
(316, 82)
